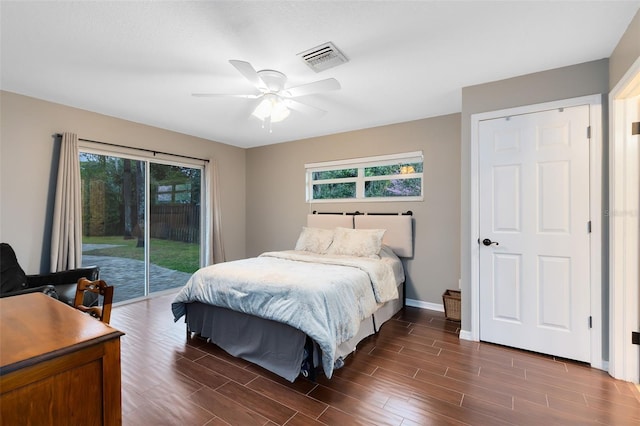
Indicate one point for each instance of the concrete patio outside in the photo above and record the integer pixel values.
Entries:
(127, 275)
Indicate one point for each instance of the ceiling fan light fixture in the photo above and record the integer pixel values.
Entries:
(271, 107)
(279, 112)
(263, 110)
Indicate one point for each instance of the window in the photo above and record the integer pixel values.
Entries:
(396, 177)
(180, 193)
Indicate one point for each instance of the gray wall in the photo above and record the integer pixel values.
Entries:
(28, 168)
(626, 52)
(276, 207)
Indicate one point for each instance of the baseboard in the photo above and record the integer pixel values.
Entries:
(466, 335)
(425, 305)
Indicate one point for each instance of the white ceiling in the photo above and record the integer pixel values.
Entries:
(141, 60)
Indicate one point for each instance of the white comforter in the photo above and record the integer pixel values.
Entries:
(324, 296)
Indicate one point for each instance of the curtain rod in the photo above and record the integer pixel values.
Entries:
(153, 151)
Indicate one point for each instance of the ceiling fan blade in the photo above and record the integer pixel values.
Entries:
(223, 95)
(247, 70)
(311, 88)
(304, 108)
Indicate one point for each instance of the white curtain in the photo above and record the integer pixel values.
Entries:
(213, 226)
(66, 235)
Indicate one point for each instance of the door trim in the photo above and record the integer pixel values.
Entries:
(623, 228)
(595, 205)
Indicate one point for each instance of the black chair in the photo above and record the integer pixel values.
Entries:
(59, 285)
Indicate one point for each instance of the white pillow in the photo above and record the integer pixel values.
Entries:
(387, 252)
(315, 240)
(357, 242)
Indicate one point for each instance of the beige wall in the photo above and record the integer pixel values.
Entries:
(28, 164)
(562, 83)
(276, 207)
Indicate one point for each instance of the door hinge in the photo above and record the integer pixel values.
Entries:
(588, 132)
(590, 322)
(635, 338)
(589, 227)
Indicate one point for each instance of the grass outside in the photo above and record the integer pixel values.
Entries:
(179, 256)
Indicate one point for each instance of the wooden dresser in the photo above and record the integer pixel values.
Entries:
(58, 366)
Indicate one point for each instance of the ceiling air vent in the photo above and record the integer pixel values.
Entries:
(323, 57)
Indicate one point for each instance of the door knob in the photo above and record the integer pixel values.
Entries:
(488, 242)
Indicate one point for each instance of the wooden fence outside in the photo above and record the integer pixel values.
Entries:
(176, 222)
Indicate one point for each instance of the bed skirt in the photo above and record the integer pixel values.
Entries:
(272, 345)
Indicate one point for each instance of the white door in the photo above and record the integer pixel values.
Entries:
(534, 232)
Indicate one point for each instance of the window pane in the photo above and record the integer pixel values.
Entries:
(393, 188)
(183, 197)
(164, 198)
(113, 221)
(334, 190)
(395, 169)
(174, 247)
(335, 174)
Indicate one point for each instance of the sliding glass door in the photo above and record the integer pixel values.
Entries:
(141, 222)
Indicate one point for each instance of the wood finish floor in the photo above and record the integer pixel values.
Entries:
(414, 372)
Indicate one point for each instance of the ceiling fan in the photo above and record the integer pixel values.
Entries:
(275, 99)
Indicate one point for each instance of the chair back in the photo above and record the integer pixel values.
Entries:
(99, 287)
(12, 276)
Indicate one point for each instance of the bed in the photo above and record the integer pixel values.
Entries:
(294, 310)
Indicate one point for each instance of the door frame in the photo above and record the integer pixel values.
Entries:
(595, 206)
(624, 238)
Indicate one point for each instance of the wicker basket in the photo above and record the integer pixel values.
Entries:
(451, 299)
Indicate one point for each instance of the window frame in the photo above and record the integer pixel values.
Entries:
(360, 180)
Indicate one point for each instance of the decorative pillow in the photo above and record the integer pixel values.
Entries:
(357, 242)
(315, 240)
